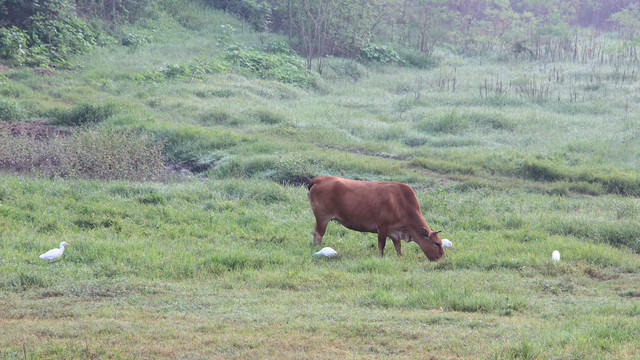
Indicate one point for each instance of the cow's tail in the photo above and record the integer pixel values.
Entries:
(311, 183)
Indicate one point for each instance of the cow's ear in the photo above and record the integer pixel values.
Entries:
(425, 232)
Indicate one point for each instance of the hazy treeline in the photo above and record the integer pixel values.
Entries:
(53, 29)
(343, 27)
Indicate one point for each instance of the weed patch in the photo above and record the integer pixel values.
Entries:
(83, 153)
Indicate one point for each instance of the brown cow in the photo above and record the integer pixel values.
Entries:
(389, 209)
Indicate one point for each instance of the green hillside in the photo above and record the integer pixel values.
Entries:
(171, 146)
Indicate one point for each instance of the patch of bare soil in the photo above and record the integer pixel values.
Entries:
(38, 130)
(296, 180)
(600, 274)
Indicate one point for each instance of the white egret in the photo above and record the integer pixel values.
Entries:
(54, 253)
(555, 256)
(326, 251)
(446, 243)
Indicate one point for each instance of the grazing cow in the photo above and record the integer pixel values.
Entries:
(389, 209)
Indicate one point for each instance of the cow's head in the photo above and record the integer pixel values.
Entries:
(431, 244)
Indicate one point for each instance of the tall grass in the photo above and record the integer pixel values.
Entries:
(96, 154)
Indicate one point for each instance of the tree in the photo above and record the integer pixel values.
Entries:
(629, 20)
(333, 27)
(311, 19)
(424, 23)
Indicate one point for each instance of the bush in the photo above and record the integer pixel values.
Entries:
(379, 53)
(54, 41)
(413, 57)
(11, 111)
(336, 68)
(44, 32)
(177, 71)
(281, 67)
(135, 40)
(256, 13)
(279, 47)
(13, 45)
(85, 113)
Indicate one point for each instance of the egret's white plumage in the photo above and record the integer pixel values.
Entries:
(555, 256)
(54, 253)
(446, 243)
(326, 251)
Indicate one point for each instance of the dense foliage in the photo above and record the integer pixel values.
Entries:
(47, 32)
(345, 27)
(43, 33)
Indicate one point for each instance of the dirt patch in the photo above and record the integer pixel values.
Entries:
(296, 180)
(189, 167)
(43, 71)
(600, 274)
(38, 130)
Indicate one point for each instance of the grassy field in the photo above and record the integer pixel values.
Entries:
(512, 159)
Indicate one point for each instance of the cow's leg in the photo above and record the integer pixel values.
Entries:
(382, 240)
(397, 245)
(319, 230)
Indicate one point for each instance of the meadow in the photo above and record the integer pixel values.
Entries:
(212, 258)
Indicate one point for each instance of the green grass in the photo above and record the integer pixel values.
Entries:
(228, 264)
(218, 263)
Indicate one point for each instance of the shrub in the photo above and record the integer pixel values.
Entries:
(256, 13)
(11, 111)
(54, 41)
(281, 67)
(343, 68)
(379, 53)
(176, 71)
(85, 113)
(136, 39)
(279, 47)
(13, 45)
(413, 57)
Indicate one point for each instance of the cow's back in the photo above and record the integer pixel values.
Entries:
(362, 205)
